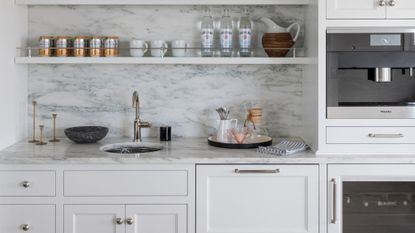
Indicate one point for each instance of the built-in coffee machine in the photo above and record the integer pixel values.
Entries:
(371, 73)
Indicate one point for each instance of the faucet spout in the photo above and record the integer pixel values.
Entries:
(138, 124)
(136, 104)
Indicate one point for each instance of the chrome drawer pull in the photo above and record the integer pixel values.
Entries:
(130, 221)
(334, 197)
(119, 221)
(274, 171)
(376, 135)
(25, 227)
(392, 3)
(26, 184)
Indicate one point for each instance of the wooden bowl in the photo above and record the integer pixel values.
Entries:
(277, 44)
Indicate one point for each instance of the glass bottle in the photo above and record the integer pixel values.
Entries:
(245, 34)
(207, 34)
(226, 34)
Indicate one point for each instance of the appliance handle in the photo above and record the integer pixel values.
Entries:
(257, 171)
(379, 135)
(333, 219)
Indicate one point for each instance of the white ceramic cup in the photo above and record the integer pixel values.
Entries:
(179, 48)
(158, 48)
(138, 48)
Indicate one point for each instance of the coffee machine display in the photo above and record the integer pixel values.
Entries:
(370, 73)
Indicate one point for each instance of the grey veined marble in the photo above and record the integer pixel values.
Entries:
(183, 96)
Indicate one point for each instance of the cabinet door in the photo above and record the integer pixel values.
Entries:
(94, 219)
(156, 219)
(257, 199)
(27, 218)
(371, 198)
(403, 9)
(355, 9)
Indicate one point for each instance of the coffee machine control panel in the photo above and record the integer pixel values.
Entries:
(385, 40)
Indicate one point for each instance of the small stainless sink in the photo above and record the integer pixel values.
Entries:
(131, 148)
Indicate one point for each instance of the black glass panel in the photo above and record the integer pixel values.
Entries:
(379, 207)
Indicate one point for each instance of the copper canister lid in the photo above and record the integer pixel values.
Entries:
(81, 37)
(46, 37)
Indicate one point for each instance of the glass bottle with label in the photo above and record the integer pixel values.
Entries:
(226, 34)
(245, 34)
(207, 34)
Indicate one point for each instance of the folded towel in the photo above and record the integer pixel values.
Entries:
(285, 147)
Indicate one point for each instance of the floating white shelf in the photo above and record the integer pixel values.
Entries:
(166, 60)
(162, 2)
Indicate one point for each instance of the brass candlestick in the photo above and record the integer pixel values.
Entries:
(54, 139)
(34, 124)
(41, 142)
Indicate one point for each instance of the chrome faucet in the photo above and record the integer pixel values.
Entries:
(138, 124)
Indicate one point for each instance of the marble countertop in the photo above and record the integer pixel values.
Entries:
(186, 150)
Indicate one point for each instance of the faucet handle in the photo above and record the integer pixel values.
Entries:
(145, 124)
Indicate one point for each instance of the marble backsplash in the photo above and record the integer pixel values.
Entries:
(183, 96)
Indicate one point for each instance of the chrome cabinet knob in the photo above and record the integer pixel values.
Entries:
(25, 184)
(382, 2)
(130, 221)
(119, 221)
(25, 227)
(392, 3)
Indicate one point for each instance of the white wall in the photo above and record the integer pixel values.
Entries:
(13, 78)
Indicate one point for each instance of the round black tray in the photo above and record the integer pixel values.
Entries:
(265, 141)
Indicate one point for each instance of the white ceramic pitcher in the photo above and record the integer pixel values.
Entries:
(272, 27)
(224, 126)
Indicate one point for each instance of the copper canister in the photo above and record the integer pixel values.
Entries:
(63, 46)
(46, 45)
(111, 46)
(96, 46)
(80, 45)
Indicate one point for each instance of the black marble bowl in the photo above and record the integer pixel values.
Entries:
(86, 134)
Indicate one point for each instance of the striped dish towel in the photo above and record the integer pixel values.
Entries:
(285, 147)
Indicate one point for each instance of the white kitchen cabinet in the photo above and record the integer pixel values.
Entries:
(27, 218)
(403, 9)
(355, 9)
(370, 9)
(125, 218)
(156, 218)
(257, 199)
(94, 219)
(126, 183)
(27, 183)
(370, 135)
(378, 190)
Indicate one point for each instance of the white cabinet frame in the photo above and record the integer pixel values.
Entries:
(337, 174)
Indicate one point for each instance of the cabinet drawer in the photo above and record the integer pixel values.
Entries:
(27, 218)
(126, 183)
(257, 198)
(27, 183)
(370, 135)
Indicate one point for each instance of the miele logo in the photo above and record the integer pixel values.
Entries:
(385, 111)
